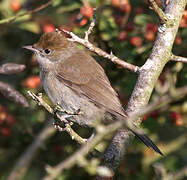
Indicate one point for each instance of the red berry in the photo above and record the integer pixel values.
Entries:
(86, 11)
(126, 8)
(118, 3)
(144, 118)
(173, 115)
(177, 118)
(178, 40)
(78, 20)
(154, 114)
(48, 28)
(122, 36)
(5, 131)
(83, 22)
(3, 114)
(130, 27)
(32, 82)
(185, 14)
(10, 120)
(149, 35)
(183, 23)
(151, 27)
(115, 3)
(15, 5)
(136, 41)
(179, 122)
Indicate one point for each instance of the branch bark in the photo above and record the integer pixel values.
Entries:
(85, 42)
(148, 75)
(68, 128)
(11, 68)
(162, 16)
(106, 130)
(10, 93)
(179, 59)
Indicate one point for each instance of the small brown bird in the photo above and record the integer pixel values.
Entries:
(72, 78)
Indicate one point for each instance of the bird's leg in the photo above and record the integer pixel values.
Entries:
(58, 108)
(61, 123)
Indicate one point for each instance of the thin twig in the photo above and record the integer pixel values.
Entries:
(102, 53)
(161, 172)
(13, 18)
(73, 159)
(11, 68)
(178, 59)
(162, 16)
(92, 25)
(97, 50)
(148, 75)
(10, 93)
(68, 128)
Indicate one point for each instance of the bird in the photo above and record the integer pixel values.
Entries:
(72, 78)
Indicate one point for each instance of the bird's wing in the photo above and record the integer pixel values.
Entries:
(85, 76)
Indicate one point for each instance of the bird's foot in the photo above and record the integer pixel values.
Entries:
(58, 108)
(59, 127)
(61, 121)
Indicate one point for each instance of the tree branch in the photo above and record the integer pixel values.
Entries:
(148, 75)
(68, 128)
(97, 50)
(79, 154)
(161, 172)
(11, 68)
(162, 16)
(10, 93)
(178, 58)
(13, 18)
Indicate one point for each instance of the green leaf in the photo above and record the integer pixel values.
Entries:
(30, 26)
(142, 19)
(56, 2)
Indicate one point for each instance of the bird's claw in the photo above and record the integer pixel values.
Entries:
(62, 122)
(58, 108)
(59, 127)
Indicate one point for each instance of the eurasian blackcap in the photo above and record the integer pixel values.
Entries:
(72, 78)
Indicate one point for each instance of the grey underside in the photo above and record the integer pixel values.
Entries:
(70, 101)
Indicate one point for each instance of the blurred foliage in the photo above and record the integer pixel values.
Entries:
(128, 30)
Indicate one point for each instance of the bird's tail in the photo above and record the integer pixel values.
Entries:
(147, 141)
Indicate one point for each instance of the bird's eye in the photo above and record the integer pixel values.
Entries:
(47, 51)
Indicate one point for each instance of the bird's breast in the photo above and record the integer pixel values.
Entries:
(70, 101)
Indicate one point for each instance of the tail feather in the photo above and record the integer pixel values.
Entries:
(148, 142)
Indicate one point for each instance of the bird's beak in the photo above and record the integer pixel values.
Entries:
(30, 47)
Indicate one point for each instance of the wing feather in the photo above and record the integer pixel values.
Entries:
(84, 75)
